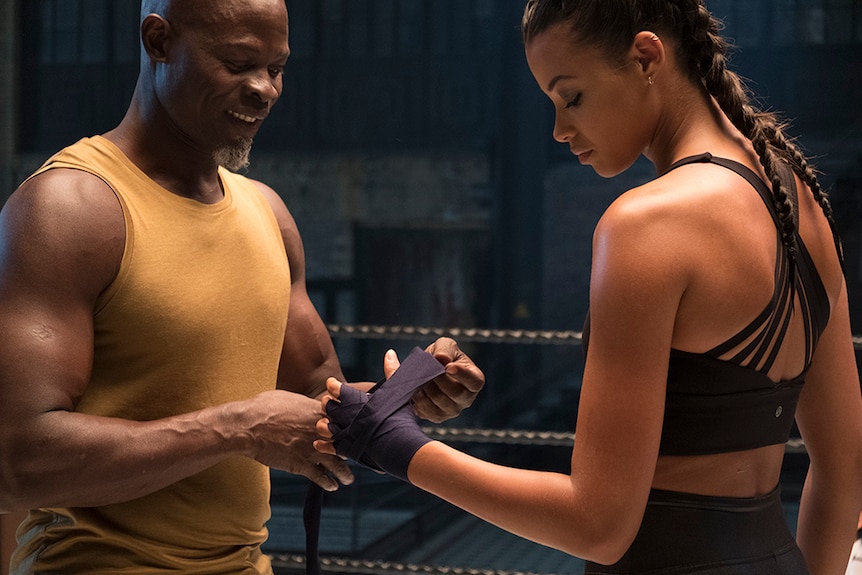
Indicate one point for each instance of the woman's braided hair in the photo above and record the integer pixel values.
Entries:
(611, 26)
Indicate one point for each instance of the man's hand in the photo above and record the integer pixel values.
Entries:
(283, 439)
(449, 394)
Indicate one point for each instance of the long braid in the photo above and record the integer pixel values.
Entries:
(764, 129)
(709, 60)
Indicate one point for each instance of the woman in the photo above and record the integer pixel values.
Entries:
(716, 291)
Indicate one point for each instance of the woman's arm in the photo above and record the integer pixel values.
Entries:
(829, 416)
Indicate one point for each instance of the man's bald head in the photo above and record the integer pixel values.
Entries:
(154, 7)
(190, 12)
(208, 20)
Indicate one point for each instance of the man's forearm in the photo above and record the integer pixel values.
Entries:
(71, 459)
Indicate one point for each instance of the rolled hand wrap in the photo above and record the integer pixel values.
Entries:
(379, 430)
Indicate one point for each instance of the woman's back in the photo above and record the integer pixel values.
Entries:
(738, 274)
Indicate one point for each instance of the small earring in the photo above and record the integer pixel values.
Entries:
(649, 79)
(654, 38)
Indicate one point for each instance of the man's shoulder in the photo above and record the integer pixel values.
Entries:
(83, 151)
(87, 160)
(257, 188)
(62, 213)
(66, 192)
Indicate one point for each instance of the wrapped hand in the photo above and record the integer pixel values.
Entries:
(379, 430)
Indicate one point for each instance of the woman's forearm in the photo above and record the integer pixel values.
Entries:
(544, 507)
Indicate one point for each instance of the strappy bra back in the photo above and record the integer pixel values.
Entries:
(767, 330)
(723, 400)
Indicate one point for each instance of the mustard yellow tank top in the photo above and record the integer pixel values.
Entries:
(195, 318)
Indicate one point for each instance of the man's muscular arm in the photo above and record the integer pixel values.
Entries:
(61, 242)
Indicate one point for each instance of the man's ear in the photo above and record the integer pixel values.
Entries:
(649, 51)
(156, 35)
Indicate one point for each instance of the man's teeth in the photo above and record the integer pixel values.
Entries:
(242, 117)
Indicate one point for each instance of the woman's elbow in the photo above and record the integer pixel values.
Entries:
(605, 542)
(610, 550)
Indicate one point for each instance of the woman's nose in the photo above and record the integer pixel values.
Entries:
(563, 129)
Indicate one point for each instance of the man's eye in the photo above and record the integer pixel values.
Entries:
(236, 66)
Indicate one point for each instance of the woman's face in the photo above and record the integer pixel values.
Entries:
(601, 105)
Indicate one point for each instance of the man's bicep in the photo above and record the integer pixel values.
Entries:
(60, 244)
(45, 360)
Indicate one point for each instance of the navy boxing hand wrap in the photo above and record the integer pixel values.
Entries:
(379, 430)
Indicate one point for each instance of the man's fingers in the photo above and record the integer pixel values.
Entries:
(333, 387)
(324, 446)
(436, 409)
(322, 428)
(458, 364)
(466, 375)
(444, 349)
(337, 467)
(448, 394)
(331, 472)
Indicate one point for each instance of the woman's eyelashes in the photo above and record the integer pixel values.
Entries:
(575, 101)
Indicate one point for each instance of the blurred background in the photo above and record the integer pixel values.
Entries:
(414, 150)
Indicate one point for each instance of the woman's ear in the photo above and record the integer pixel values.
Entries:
(156, 37)
(648, 50)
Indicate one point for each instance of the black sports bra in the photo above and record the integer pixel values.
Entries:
(718, 405)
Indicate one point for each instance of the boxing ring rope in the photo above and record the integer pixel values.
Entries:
(476, 335)
(459, 334)
(361, 566)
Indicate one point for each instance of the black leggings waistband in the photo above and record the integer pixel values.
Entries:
(684, 533)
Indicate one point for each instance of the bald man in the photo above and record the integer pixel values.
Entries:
(159, 350)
